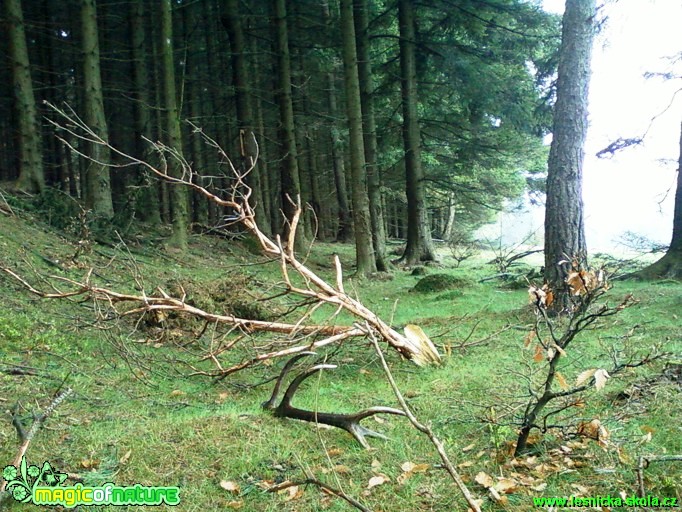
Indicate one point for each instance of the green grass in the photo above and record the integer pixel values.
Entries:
(136, 416)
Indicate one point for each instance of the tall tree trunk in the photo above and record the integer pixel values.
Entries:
(564, 225)
(97, 176)
(291, 186)
(361, 18)
(241, 76)
(364, 251)
(31, 177)
(419, 245)
(670, 265)
(178, 193)
(148, 202)
(449, 226)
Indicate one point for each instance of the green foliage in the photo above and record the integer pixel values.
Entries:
(193, 432)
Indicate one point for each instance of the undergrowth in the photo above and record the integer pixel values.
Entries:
(137, 416)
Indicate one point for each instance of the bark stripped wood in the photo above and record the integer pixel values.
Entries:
(474, 504)
(348, 422)
(419, 350)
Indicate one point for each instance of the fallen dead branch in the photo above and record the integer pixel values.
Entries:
(326, 488)
(26, 437)
(644, 461)
(474, 504)
(418, 349)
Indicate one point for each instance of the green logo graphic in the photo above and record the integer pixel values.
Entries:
(22, 482)
(31, 484)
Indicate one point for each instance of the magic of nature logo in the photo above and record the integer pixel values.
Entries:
(44, 486)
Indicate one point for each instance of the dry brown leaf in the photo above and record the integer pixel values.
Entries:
(333, 452)
(342, 469)
(235, 504)
(177, 392)
(623, 456)
(647, 428)
(469, 448)
(562, 381)
(584, 376)
(539, 354)
(540, 487)
(230, 486)
(265, 484)
(293, 493)
(402, 478)
(465, 464)
(500, 500)
(377, 480)
(529, 338)
(589, 429)
(506, 485)
(407, 466)
(126, 457)
(600, 378)
(375, 465)
(89, 463)
(484, 479)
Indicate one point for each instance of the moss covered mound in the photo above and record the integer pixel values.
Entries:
(439, 283)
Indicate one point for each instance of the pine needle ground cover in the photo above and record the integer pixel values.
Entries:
(136, 414)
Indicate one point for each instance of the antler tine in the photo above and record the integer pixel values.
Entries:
(289, 394)
(270, 404)
(348, 422)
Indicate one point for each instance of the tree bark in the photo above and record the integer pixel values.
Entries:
(98, 180)
(149, 196)
(364, 250)
(178, 193)
(419, 245)
(565, 244)
(670, 265)
(361, 18)
(31, 174)
(291, 186)
(241, 76)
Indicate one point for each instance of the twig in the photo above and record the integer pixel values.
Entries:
(644, 462)
(314, 481)
(28, 437)
(425, 429)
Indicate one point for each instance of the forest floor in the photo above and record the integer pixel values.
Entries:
(136, 414)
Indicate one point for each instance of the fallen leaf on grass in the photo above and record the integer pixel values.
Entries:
(230, 486)
(342, 470)
(293, 493)
(484, 479)
(500, 500)
(235, 504)
(410, 468)
(377, 480)
(126, 457)
(506, 485)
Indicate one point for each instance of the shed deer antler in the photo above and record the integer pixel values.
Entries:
(348, 422)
